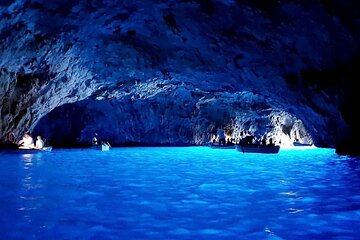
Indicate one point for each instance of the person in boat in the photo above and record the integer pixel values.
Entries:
(39, 143)
(271, 143)
(26, 142)
(106, 144)
(229, 142)
(95, 140)
(263, 141)
(248, 139)
(221, 136)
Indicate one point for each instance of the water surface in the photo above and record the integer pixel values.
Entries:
(179, 193)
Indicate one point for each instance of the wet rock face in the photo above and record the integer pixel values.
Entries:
(172, 72)
(175, 117)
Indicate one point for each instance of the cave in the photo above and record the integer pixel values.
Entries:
(165, 122)
(173, 74)
(179, 119)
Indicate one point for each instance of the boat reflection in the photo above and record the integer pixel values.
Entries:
(27, 160)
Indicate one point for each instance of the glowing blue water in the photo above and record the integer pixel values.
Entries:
(179, 193)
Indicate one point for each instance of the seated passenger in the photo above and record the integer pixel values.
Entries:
(26, 142)
(248, 140)
(229, 142)
(271, 142)
(105, 143)
(39, 143)
(95, 140)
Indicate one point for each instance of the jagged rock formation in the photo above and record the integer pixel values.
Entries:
(171, 72)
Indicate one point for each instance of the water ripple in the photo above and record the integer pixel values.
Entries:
(179, 193)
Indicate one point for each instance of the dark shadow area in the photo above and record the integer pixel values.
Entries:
(350, 110)
(120, 124)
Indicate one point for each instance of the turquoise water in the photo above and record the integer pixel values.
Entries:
(179, 193)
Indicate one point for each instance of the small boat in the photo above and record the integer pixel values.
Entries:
(29, 150)
(298, 144)
(102, 147)
(47, 149)
(255, 148)
(218, 146)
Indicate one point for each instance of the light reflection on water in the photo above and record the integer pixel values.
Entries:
(179, 193)
(27, 160)
(28, 199)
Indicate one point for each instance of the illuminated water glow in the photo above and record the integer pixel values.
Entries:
(179, 193)
(298, 148)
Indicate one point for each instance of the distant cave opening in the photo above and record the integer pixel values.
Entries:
(162, 122)
(62, 126)
(122, 123)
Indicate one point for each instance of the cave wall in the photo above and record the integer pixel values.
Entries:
(94, 55)
(177, 116)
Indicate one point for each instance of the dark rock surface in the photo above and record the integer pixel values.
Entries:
(172, 72)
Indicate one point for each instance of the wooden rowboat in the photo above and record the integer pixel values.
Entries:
(255, 148)
(28, 150)
(217, 146)
(102, 147)
(298, 144)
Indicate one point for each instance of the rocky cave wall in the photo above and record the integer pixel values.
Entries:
(173, 117)
(171, 72)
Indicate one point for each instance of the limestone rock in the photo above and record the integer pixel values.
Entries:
(172, 72)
